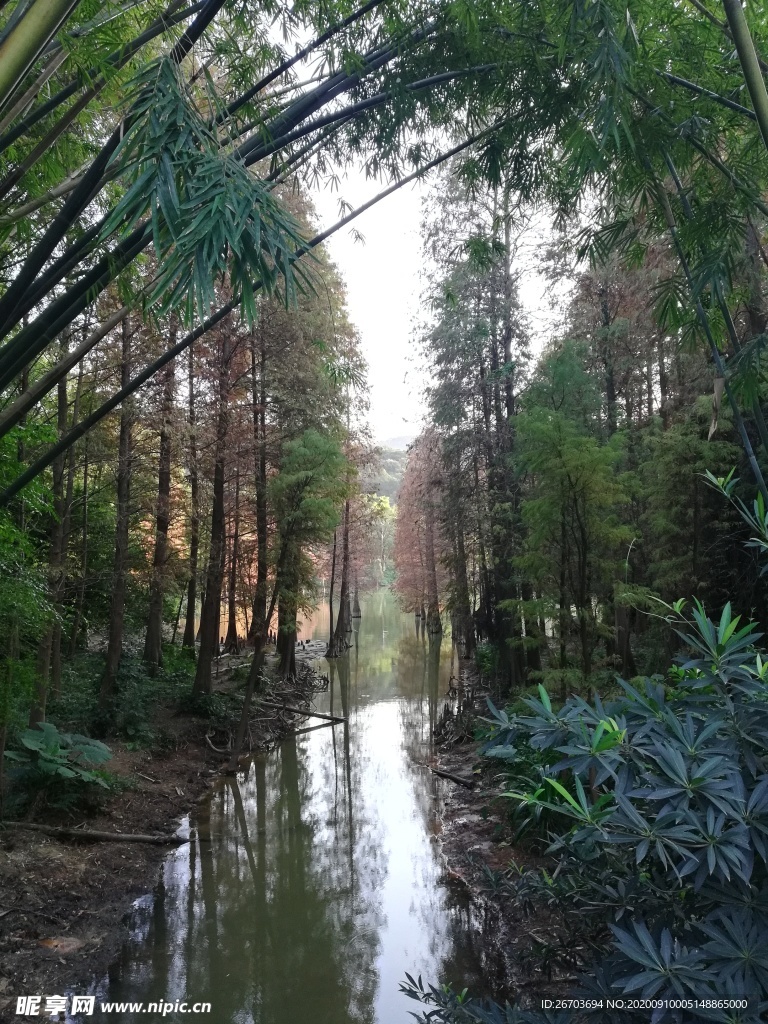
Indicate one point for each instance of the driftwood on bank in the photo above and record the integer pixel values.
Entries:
(98, 837)
(458, 779)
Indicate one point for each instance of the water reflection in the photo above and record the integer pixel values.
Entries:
(314, 884)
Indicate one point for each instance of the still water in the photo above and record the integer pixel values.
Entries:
(314, 881)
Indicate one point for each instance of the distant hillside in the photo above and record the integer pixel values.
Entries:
(398, 443)
(385, 478)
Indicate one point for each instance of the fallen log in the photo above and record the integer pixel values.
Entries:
(302, 711)
(311, 728)
(468, 783)
(84, 833)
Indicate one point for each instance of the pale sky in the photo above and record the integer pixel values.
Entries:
(384, 281)
(383, 284)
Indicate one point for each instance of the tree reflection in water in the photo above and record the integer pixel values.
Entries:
(315, 883)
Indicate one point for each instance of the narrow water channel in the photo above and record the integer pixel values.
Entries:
(315, 879)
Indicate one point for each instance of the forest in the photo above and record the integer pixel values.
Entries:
(187, 471)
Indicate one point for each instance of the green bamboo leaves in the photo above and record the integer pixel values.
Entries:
(210, 219)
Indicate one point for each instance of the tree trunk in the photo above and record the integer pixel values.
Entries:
(188, 641)
(259, 392)
(231, 641)
(3, 736)
(463, 611)
(434, 625)
(343, 621)
(584, 591)
(610, 380)
(210, 616)
(756, 304)
(663, 381)
(28, 38)
(509, 383)
(484, 616)
(66, 532)
(623, 625)
(176, 620)
(563, 609)
(153, 642)
(533, 635)
(52, 637)
(120, 564)
(80, 600)
(257, 663)
(330, 590)
(286, 637)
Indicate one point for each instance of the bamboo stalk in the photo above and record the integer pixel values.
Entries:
(745, 48)
(29, 37)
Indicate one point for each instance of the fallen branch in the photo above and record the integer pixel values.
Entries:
(217, 750)
(302, 711)
(36, 913)
(311, 728)
(82, 833)
(468, 783)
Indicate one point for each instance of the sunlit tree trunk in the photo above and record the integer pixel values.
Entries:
(259, 395)
(210, 615)
(80, 600)
(122, 505)
(434, 624)
(188, 640)
(231, 639)
(153, 642)
(663, 380)
(52, 632)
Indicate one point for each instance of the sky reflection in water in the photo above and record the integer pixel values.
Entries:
(316, 882)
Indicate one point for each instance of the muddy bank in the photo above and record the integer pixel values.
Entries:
(482, 855)
(63, 901)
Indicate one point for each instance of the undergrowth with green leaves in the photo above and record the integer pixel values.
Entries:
(59, 770)
(133, 712)
(655, 808)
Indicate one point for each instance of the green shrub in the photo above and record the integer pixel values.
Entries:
(656, 805)
(58, 769)
(486, 659)
(132, 713)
